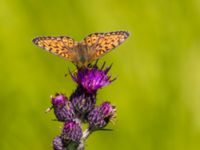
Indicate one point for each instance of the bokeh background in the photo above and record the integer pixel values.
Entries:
(158, 68)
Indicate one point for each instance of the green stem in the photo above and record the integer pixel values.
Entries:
(86, 133)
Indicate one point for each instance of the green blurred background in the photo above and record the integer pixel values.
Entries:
(158, 68)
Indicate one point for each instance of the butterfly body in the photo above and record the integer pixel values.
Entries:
(82, 53)
(82, 57)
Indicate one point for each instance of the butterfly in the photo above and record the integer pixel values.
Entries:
(82, 53)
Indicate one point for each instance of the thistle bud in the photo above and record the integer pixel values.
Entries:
(101, 115)
(57, 143)
(63, 108)
(71, 131)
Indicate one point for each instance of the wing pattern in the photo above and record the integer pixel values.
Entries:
(62, 45)
(101, 43)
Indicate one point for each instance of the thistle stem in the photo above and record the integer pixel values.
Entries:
(86, 133)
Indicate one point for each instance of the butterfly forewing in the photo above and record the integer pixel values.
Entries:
(62, 45)
(98, 44)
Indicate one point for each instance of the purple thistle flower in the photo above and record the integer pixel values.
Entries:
(63, 108)
(82, 101)
(71, 132)
(57, 143)
(93, 78)
(81, 108)
(101, 115)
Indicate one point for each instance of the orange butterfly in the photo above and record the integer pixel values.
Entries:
(91, 48)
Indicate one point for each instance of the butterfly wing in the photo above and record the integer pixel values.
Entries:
(98, 44)
(62, 46)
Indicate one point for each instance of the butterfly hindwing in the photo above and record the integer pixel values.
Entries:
(62, 45)
(101, 43)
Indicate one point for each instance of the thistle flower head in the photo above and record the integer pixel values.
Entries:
(63, 108)
(82, 101)
(71, 131)
(57, 143)
(92, 78)
(101, 115)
